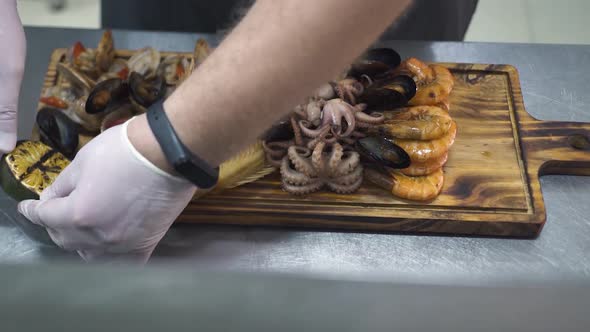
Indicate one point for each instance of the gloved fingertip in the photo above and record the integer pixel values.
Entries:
(28, 209)
(7, 142)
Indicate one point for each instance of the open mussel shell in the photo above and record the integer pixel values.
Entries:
(58, 131)
(145, 62)
(106, 93)
(375, 62)
(77, 113)
(200, 53)
(382, 152)
(146, 91)
(389, 93)
(105, 52)
(79, 82)
(174, 68)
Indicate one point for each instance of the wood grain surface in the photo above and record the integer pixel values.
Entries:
(491, 184)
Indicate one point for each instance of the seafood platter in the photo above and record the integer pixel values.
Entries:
(394, 144)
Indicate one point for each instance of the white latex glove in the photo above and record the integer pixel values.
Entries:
(12, 64)
(110, 202)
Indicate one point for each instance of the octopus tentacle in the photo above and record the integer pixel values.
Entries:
(360, 107)
(365, 125)
(299, 157)
(317, 158)
(349, 178)
(291, 176)
(305, 189)
(305, 127)
(275, 149)
(350, 161)
(296, 132)
(373, 118)
(320, 138)
(334, 159)
(346, 189)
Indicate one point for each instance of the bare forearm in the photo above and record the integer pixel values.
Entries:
(277, 55)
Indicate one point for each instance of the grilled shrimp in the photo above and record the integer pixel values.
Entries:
(421, 169)
(418, 123)
(424, 151)
(415, 188)
(418, 70)
(435, 91)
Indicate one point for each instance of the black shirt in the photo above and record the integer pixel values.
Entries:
(425, 20)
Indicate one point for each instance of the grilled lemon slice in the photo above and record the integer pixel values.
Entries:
(30, 168)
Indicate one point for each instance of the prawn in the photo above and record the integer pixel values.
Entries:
(445, 104)
(420, 169)
(418, 123)
(435, 91)
(415, 188)
(424, 151)
(418, 70)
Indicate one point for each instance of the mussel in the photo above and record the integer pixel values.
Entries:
(106, 93)
(80, 83)
(174, 68)
(146, 91)
(58, 131)
(200, 53)
(119, 67)
(389, 93)
(282, 130)
(77, 112)
(145, 62)
(375, 62)
(382, 152)
(105, 52)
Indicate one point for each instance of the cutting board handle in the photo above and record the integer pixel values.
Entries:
(558, 147)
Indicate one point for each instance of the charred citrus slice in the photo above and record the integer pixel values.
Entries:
(30, 168)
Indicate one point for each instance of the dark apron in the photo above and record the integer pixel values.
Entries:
(445, 20)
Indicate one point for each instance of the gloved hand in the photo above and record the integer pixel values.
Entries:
(110, 202)
(12, 64)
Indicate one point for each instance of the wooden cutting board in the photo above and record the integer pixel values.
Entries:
(491, 179)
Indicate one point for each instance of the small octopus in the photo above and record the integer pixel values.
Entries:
(305, 171)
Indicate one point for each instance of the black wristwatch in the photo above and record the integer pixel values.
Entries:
(182, 159)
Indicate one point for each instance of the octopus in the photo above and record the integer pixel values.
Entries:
(349, 89)
(312, 111)
(343, 119)
(321, 121)
(305, 171)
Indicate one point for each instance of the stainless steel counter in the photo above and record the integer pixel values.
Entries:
(555, 85)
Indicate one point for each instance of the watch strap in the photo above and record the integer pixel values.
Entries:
(187, 164)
